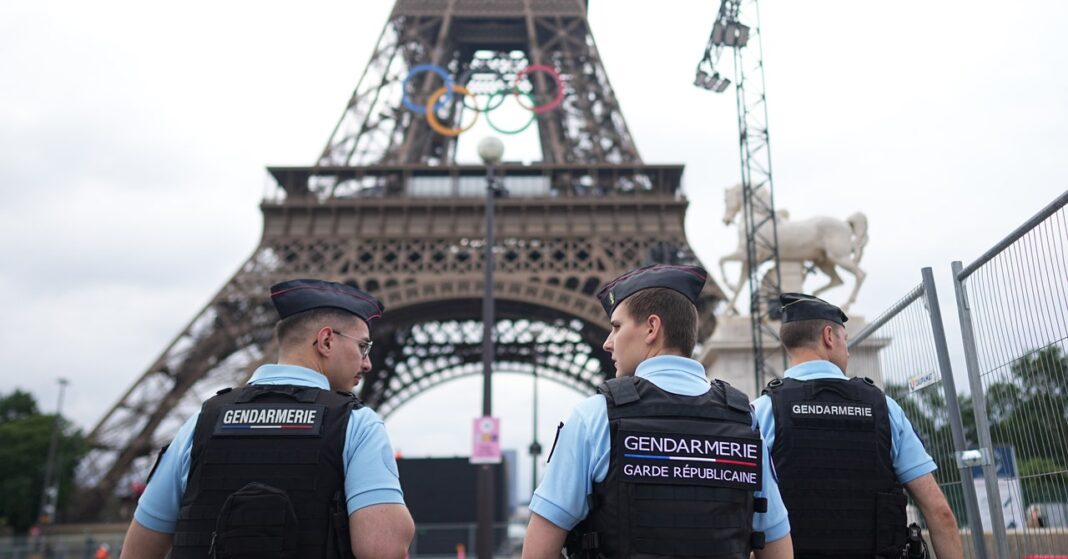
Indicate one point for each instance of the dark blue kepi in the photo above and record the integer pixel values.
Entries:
(299, 295)
(687, 280)
(798, 306)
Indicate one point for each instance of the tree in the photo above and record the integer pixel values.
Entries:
(1027, 409)
(25, 434)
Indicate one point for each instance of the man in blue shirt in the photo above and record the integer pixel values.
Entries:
(661, 462)
(842, 449)
(269, 427)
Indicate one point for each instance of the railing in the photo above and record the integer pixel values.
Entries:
(1013, 307)
(1012, 483)
(914, 362)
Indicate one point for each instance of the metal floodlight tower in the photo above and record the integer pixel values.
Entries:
(761, 229)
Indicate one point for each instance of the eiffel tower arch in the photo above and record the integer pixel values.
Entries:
(387, 208)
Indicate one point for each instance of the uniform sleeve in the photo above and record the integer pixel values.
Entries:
(776, 522)
(580, 458)
(764, 419)
(910, 457)
(158, 507)
(371, 476)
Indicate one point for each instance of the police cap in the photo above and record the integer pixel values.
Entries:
(798, 306)
(299, 295)
(688, 280)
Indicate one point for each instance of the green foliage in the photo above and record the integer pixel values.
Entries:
(1043, 481)
(25, 434)
(17, 405)
(1028, 410)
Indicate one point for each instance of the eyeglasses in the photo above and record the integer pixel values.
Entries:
(364, 345)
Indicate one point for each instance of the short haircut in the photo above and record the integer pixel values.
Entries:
(677, 315)
(803, 333)
(293, 328)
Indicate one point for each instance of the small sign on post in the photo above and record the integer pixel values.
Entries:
(485, 440)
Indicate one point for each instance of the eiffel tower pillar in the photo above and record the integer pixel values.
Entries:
(386, 208)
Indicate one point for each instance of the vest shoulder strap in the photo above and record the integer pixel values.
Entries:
(620, 391)
(734, 398)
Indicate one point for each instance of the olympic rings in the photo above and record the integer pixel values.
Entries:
(432, 119)
(503, 93)
(552, 74)
(465, 78)
(408, 103)
(443, 96)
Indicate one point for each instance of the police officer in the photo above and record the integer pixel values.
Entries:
(842, 449)
(661, 463)
(290, 465)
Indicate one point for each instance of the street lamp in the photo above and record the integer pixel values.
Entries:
(491, 150)
(50, 491)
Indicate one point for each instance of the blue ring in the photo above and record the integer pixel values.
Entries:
(410, 105)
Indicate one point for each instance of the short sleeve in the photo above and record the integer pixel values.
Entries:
(578, 458)
(158, 507)
(371, 476)
(776, 522)
(909, 456)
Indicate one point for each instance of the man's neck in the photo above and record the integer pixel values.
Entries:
(804, 355)
(299, 360)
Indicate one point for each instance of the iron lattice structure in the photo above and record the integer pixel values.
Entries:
(754, 143)
(387, 209)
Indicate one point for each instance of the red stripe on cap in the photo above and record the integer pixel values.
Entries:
(683, 269)
(299, 287)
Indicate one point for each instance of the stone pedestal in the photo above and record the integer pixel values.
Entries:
(728, 354)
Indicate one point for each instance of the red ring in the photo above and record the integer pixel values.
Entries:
(554, 75)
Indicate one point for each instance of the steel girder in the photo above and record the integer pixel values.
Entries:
(456, 35)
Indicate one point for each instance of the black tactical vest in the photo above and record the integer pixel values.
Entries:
(266, 477)
(832, 454)
(681, 476)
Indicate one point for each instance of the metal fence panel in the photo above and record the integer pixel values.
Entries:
(914, 363)
(1013, 303)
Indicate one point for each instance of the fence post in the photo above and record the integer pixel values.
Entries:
(982, 423)
(956, 425)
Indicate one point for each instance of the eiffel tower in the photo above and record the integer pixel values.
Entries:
(386, 208)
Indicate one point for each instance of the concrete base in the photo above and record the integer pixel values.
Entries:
(728, 354)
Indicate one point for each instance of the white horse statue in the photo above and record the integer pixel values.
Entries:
(826, 242)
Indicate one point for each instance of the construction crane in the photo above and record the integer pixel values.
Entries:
(761, 230)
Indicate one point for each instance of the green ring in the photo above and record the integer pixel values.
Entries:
(489, 106)
(533, 115)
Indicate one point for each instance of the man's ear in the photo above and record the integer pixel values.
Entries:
(827, 336)
(324, 338)
(654, 325)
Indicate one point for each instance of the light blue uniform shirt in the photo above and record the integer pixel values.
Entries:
(370, 467)
(909, 457)
(582, 453)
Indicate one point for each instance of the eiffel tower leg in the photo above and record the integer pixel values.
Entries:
(220, 347)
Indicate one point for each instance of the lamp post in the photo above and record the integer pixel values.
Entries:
(538, 350)
(490, 149)
(50, 492)
(535, 447)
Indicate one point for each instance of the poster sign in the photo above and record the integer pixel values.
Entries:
(486, 440)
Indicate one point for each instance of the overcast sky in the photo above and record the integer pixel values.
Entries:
(134, 136)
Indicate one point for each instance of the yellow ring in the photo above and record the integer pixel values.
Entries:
(432, 119)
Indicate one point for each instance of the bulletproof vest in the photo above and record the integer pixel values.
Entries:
(832, 454)
(266, 477)
(681, 476)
